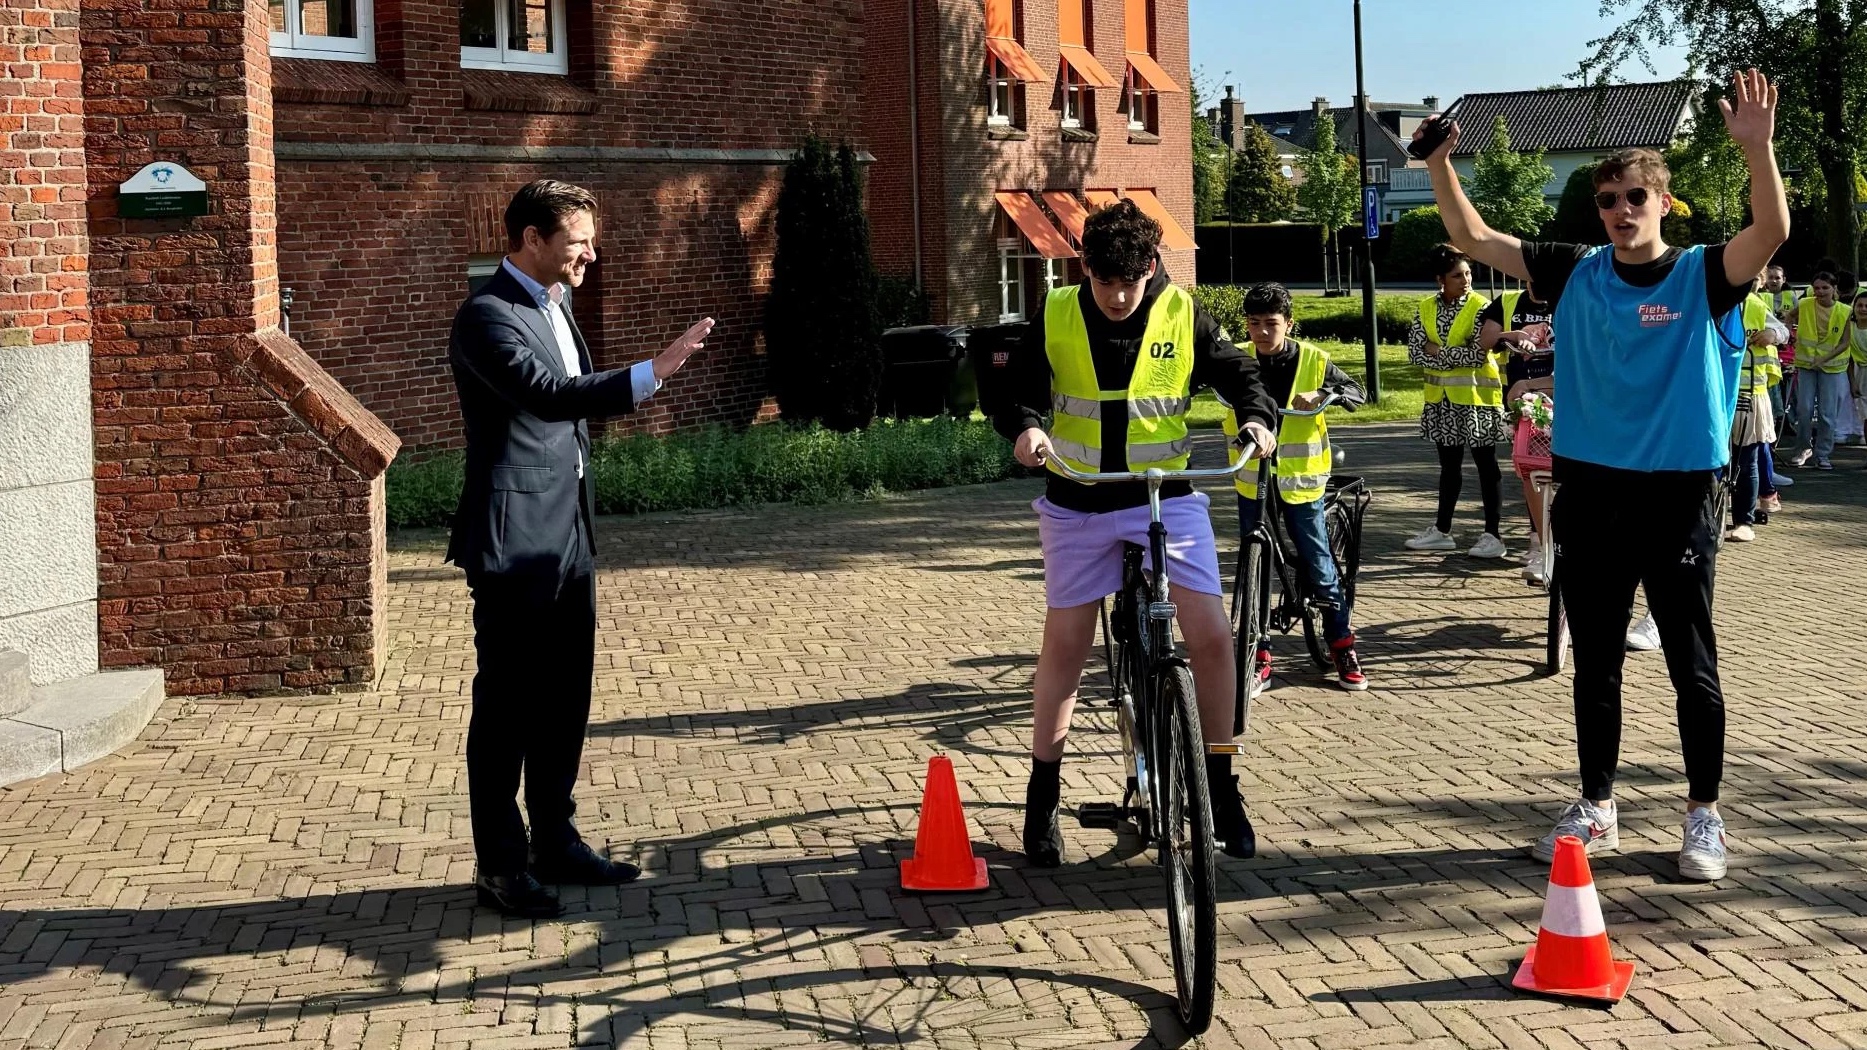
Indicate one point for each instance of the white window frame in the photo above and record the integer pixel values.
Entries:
(558, 61)
(1076, 97)
(1141, 101)
(1376, 172)
(295, 44)
(1010, 279)
(1002, 94)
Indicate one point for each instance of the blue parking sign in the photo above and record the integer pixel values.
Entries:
(1371, 212)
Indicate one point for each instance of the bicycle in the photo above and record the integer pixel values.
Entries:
(1167, 795)
(1267, 556)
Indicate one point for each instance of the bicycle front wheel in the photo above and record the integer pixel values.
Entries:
(1185, 849)
(1556, 648)
(1251, 611)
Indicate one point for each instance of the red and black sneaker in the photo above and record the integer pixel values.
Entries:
(1348, 665)
(1261, 672)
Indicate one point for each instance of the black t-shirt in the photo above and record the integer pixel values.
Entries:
(1551, 263)
(1535, 319)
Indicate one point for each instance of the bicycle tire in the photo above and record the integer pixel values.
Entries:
(1345, 546)
(1184, 849)
(1251, 604)
(1556, 645)
(1312, 639)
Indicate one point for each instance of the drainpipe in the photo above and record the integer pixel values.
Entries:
(914, 141)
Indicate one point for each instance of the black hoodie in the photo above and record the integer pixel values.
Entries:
(1114, 345)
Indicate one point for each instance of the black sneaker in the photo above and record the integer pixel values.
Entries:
(1229, 823)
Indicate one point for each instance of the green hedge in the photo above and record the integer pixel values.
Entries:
(718, 467)
(1317, 317)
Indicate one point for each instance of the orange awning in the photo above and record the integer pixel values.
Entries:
(1152, 74)
(1135, 26)
(1086, 66)
(1016, 59)
(1038, 230)
(1070, 210)
(1099, 199)
(1173, 236)
(1071, 23)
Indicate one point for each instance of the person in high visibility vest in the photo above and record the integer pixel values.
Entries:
(1115, 362)
(1464, 401)
(1849, 430)
(1823, 351)
(1299, 375)
(1755, 428)
(1649, 378)
(1522, 326)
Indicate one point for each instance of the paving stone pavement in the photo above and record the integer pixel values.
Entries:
(770, 684)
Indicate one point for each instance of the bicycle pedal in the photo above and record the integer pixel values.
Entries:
(1105, 815)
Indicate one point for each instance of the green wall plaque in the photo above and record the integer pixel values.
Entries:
(162, 190)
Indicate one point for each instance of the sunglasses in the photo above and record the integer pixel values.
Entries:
(1607, 200)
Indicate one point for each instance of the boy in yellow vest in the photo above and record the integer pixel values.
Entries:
(1115, 361)
(1299, 375)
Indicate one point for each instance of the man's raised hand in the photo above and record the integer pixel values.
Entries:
(1752, 121)
(669, 361)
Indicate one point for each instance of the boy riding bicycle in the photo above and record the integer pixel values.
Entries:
(1117, 359)
(1299, 375)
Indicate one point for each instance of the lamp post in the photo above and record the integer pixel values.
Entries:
(1367, 249)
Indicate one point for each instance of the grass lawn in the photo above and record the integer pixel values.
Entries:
(1400, 389)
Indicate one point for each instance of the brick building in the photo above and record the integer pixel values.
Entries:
(996, 126)
(403, 127)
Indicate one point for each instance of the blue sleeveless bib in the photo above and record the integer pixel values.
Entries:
(1645, 381)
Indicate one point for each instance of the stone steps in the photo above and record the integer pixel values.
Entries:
(59, 727)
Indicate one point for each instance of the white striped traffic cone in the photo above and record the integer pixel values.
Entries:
(1571, 957)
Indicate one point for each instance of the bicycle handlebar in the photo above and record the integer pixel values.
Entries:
(1155, 475)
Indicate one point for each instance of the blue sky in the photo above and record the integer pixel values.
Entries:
(1282, 54)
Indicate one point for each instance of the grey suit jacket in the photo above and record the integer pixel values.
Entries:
(525, 422)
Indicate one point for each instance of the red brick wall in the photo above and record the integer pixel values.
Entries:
(238, 489)
(959, 214)
(43, 288)
(377, 269)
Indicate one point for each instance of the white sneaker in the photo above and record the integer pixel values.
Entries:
(1533, 574)
(1782, 481)
(1802, 458)
(1644, 637)
(1701, 857)
(1534, 555)
(1431, 539)
(1489, 547)
(1591, 822)
(1740, 534)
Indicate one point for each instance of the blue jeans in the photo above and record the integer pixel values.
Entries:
(1822, 394)
(1309, 534)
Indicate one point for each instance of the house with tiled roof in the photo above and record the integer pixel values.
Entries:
(1390, 126)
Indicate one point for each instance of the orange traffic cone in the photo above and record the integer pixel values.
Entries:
(943, 857)
(1571, 957)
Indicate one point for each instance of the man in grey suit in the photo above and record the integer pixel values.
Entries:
(523, 535)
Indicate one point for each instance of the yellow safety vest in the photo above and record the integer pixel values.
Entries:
(1811, 342)
(1157, 398)
(1762, 362)
(1303, 453)
(1781, 301)
(1481, 385)
(1859, 353)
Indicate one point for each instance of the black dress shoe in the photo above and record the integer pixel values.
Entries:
(519, 896)
(582, 866)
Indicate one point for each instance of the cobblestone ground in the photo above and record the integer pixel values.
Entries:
(770, 685)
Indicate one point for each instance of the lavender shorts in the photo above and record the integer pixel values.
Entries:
(1082, 552)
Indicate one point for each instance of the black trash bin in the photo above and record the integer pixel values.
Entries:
(922, 372)
(992, 349)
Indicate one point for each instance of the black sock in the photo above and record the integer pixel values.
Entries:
(1042, 791)
(1218, 771)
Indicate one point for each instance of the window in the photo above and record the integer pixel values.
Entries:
(1143, 105)
(523, 35)
(1078, 100)
(1377, 172)
(1005, 107)
(1025, 277)
(480, 269)
(338, 29)
(1288, 171)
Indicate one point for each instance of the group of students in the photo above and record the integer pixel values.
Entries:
(1661, 344)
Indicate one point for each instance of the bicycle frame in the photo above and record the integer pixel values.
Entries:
(1293, 583)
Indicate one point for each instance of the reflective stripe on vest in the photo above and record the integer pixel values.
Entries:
(1158, 396)
(1480, 385)
(1303, 454)
(1812, 342)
